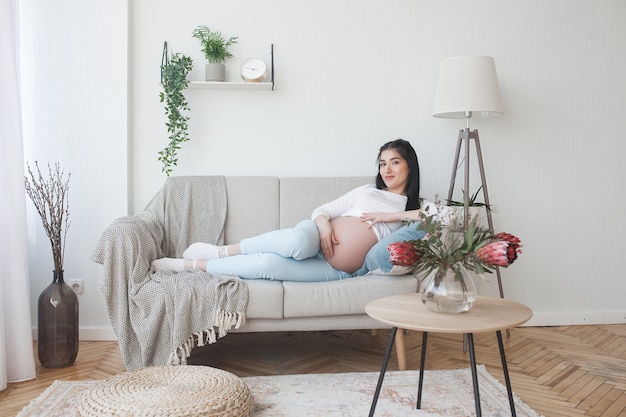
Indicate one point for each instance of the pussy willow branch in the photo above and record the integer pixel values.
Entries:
(50, 198)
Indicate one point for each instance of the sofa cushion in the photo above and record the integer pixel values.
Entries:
(377, 259)
(265, 299)
(346, 296)
(252, 207)
(300, 196)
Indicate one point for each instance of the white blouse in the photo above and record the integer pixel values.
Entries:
(365, 199)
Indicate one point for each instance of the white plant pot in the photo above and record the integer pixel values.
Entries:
(214, 72)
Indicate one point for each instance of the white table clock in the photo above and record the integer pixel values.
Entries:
(253, 70)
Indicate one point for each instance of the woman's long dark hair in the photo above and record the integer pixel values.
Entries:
(412, 189)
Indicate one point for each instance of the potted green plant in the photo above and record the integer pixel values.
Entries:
(174, 79)
(473, 205)
(471, 199)
(215, 49)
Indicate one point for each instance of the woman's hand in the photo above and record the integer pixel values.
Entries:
(327, 236)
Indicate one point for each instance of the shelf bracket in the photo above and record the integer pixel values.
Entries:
(272, 58)
(164, 59)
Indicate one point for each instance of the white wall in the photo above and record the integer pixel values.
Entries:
(353, 74)
(74, 84)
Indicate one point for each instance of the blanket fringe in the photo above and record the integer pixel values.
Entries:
(223, 322)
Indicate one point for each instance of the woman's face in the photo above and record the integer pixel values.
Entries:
(394, 171)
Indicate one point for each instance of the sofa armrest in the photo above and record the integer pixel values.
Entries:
(125, 250)
(130, 244)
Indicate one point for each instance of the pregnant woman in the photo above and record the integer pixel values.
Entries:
(332, 244)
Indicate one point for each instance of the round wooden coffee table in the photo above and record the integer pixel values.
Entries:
(488, 314)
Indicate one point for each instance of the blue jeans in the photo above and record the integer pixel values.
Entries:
(283, 255)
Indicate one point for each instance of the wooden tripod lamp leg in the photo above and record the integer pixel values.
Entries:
(455, 165)
(483, 180)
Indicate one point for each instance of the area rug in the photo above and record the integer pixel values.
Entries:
(446, 393)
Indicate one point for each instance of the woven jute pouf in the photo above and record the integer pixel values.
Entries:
(174, 391)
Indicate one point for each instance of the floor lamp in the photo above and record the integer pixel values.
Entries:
(467, 88)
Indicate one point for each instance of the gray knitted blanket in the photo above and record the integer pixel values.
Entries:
(159, 317)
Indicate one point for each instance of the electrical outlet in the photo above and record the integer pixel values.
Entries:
(78, 285)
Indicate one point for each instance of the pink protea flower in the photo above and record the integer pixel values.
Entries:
(508, 237)
(501, 252)
(403, 254)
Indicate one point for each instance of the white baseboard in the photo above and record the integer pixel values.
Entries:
(578, 318)
(97, 334)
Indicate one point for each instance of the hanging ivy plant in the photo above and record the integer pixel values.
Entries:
(174, 79)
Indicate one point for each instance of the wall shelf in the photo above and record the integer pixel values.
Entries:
(237, 85)
(227, 85)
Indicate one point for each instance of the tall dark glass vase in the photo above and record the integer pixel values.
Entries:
(57, 324)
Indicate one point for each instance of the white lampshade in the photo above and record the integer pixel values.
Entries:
(468, 84)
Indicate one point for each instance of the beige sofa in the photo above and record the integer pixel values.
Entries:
(259, 204)
(140, 308)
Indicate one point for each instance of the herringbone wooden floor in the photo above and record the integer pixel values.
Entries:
(559, 371)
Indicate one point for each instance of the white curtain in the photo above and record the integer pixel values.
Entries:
(17, 361)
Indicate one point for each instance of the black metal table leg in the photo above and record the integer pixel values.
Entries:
(383, 370)
(505, 369)
(470, 340)
(422, 362)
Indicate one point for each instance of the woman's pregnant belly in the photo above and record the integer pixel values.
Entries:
(355, 240)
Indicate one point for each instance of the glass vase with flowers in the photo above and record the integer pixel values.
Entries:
(445, 255)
